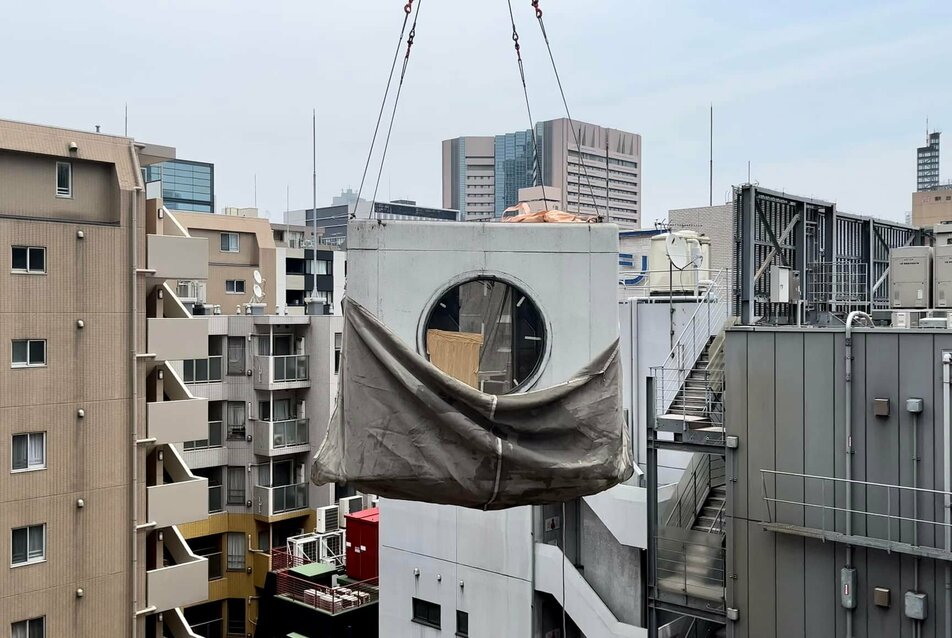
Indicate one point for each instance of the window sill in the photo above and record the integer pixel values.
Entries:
(27, 469)
(18, 366)
(233, 293)
(425, 623)
(17, 271)
(35, 561)
(61, 196)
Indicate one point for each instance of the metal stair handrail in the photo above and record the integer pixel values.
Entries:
(707, 320)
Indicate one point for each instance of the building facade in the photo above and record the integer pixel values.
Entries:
(291, 274)
(332, 220)
(186, 185)
(597, 169)
(92, 491)
(927, 163)
(932, 206)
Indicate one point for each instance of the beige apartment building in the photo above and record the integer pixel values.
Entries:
(932, 207)
(283, 255)
(92, 491)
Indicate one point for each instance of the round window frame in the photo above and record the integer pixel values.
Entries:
(513, 282)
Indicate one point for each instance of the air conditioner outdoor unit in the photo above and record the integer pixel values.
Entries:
(328, 519)
(304, 547)
(349, 505)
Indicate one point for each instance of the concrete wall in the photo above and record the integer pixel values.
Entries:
(931, 207)
(717, 222)
(398, 271)
(29, 189)
(613, 570)
(786, 403)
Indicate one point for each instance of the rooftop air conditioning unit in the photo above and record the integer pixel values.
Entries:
(304, 547)
(328, 519)
(349, 505)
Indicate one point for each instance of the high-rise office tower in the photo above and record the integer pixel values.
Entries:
(597, 169)
(927, 167)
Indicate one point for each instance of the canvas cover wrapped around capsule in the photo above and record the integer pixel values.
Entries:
(404, 429)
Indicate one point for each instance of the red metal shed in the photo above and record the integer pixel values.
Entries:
(362, 549)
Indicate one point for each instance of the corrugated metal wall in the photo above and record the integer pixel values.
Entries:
(786, 404)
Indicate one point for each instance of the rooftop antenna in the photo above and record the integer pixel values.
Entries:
(748, 171)
(314, 190)
(256, 190)
(711, 171)
(127, 120)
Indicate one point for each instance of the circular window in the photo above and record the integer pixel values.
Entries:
(486, 333)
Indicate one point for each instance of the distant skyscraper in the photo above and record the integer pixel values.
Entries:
(927, 169)
(186, 185)
(482, 175)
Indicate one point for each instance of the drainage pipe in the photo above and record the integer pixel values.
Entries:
(947, 475)
(916, 624)
(134, 387)
(849, 445)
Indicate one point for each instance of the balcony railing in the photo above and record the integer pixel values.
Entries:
(202, 370)
(213, 440)
(280, 437)
(181, 580)
(277, 500)
(215, 565)
(214, 499)
(330, 599)
(282, 369)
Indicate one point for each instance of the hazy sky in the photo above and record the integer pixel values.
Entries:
(826, 101)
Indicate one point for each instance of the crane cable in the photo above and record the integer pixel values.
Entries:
(396, 101)
(578, 146)
(525, 91)
(407, 8)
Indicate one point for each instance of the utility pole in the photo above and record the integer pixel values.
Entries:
(314, 196)
(711, 170)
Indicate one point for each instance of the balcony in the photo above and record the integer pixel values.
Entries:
(181, 500)
(284, 372)
(181, 417)
(202, 370)
(176, 625)
(171, 252)
(270, 501)
(183, 578)
(294, 282)
(273, 438)
(173, 334)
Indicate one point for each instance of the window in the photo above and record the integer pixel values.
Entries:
(236, 551)
(29, 545)
(236, 355)
(236, 419)
(426, 613)
(32, 628)
(236, 616)
(64, 179)
(338, 344)
(236, 486)
(322, 267)
(29, 259)
(229, 242)
(29, 353)
(213, 440)
(462, 623)
(235, 286)
(29, 451)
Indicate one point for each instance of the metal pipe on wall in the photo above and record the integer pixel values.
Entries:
(849, 445)
(916, 624)
(134, 383)
(947, 475)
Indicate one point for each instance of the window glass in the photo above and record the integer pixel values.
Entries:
(338, 344)
(229, 242)
(19, 258)
(235, 286)
(462, 623)
(37, 352)
(236, 419)
(19, 352)
(28, 544)
(236, 550)
(487, 334)
(32, 628)
(37, 258)
(236, 485)
(64, 179)
(236, 355)
(29, 451)
(426, 613)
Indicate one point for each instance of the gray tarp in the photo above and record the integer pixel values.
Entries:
(403, 429)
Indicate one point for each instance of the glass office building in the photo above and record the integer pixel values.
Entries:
(515, 166)
(186, 185)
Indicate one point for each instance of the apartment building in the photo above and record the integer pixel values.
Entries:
(596, 168)
(91, 490)
(282, 254)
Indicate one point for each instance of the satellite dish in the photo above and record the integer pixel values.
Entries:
(678, 251)
(258, 279)
(257, 289)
